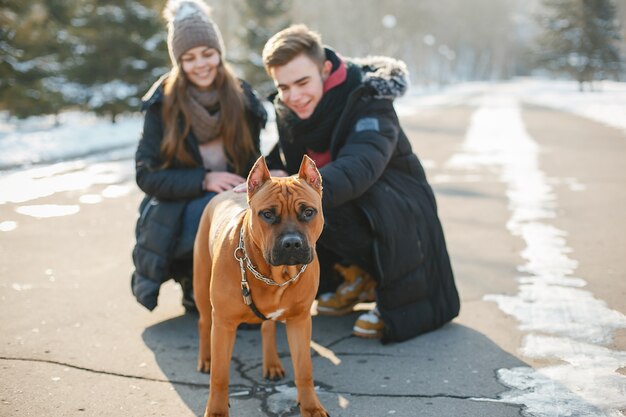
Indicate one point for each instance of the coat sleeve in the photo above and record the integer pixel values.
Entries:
(274, 159)
(360, 162)
(256, 115)
(165, 184)
(256, 118)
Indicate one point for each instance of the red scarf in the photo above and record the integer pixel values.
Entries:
(334, 79)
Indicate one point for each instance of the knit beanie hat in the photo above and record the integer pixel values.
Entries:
(189, 24)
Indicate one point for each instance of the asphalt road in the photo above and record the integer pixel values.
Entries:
(532, 202)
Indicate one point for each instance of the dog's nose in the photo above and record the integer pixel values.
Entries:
(291, 242)
(291, 248)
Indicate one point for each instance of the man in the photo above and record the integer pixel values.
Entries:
(382, 228)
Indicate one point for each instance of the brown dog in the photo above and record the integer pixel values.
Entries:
(257, 259)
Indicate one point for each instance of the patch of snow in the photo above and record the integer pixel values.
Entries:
(44, 211)
(550, 301)
(37, 140)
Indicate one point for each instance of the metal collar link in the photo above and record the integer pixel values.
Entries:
(241, 256)
(244, 257)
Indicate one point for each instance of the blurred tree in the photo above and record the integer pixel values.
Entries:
(261, 19)
(441, 41)
(99, 55)
(32, 49)
(118, 51)
(580, 38)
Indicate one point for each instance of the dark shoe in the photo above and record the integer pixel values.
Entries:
(188, 301)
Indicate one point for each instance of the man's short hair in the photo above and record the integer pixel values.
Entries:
(287, 44)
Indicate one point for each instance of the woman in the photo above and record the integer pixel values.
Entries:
(200, 137)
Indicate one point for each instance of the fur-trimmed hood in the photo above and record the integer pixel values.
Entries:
(155, 93)
(389, 77)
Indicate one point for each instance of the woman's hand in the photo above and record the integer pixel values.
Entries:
(221, 181)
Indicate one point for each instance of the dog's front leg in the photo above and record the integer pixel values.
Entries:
(223, 336)
(204, 333)
(202, 292)
(272, 368)
(299, 338)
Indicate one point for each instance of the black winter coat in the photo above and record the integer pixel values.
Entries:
(373, 165)
(167, 193)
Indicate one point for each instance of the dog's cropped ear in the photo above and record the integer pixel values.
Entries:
(258, 175)
(309, 173)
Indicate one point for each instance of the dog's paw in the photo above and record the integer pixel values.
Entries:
(273, 371)
(218, 414)
(204, 365)
(317, 411)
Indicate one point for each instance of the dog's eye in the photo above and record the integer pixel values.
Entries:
(309, 212)
(268, 215)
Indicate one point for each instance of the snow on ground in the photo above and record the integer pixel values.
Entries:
(605, 105)
(37, 140)
(563, 322)
(41, 157)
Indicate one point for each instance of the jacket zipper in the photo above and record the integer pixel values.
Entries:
(375, 249)
(144, 213)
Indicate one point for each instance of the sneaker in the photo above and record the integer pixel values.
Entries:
(358, 286)
(369, 325)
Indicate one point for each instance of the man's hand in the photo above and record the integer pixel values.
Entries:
(221, 181)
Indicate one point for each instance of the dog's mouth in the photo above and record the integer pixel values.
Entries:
(276, 258)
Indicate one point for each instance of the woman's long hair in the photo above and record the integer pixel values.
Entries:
(238, 146)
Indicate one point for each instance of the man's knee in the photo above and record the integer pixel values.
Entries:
(347, 234)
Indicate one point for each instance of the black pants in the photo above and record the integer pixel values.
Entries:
(348, 239)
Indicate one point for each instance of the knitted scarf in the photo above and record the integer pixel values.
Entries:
(205, 114)
(315, 132)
